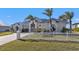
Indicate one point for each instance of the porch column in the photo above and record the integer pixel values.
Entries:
(29, 28)
(36, 27)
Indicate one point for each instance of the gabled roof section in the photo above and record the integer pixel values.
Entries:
(46, 20)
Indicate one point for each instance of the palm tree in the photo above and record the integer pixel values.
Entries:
(48, 12)
(30, 17)
(62, 17)
(69, 16)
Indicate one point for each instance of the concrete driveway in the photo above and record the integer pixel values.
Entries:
(9, 38)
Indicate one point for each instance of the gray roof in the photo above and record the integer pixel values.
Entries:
(75, 23)
(40, 20)
(46, 20)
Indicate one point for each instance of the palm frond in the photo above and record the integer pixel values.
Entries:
(48, 12)
(69, 15)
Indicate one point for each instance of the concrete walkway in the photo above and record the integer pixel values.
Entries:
(12, 37)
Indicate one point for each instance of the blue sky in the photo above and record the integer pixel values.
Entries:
(9, 16)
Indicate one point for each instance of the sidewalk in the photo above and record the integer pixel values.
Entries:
(9, 38)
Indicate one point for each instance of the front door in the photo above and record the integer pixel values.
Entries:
(32, 27)
(53, 27)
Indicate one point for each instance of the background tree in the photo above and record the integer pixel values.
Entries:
(30, 17)
(62, 17)
(69, 16)
(48, 12)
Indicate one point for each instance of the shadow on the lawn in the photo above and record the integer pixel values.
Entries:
(40, 40)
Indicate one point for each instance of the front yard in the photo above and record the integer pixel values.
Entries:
(5, 33)
(50, 43)
(30, 45)
(52, 37)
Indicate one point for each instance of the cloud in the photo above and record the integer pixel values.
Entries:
(2, 23)
(8, 16)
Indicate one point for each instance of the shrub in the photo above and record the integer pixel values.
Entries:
(38, 30)
(76, 29)
(41, 30)
(64, 29)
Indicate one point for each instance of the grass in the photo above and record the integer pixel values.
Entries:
(64, 37)
(31, 45)
(5, 33)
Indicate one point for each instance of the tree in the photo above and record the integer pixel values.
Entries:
(62, 17)
(48, 12)
(30, 17)
(69, 16)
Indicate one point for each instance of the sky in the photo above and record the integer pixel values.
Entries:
(10, 16)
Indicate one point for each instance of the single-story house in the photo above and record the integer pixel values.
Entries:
(43, 24)
(75, 25)
(4, 28)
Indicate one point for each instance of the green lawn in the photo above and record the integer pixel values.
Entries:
(63, 37)
(5, 33)
(39, 46)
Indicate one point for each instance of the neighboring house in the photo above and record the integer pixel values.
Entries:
(75, 25)
(32, 26)
(4, 28)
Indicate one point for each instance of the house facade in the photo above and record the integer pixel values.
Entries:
(4, 28)
(39, 25)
